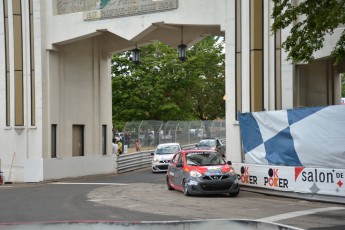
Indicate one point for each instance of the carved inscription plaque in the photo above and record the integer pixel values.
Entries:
(117, 8)
(100, 9)
(73, 6)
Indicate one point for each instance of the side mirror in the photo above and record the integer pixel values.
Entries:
(229, 162)
(196, 145)
(152, 154)
(179, 165)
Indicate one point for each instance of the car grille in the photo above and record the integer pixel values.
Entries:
(164, 162)
(215, 187)
(216, 177)
(162, 167)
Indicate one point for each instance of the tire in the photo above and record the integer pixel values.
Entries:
(185, 188)
(168, 184)
(234, 194)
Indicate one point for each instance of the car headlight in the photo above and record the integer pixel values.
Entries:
(155, 159)
(232, 171)
(195, 174)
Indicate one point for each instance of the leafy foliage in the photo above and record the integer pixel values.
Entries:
(342, 85)
(163, 88)
(311, 21)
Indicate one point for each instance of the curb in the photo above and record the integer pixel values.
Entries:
(295, 195)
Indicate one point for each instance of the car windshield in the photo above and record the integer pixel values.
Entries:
(207, 143)
(167, 149)
(204, 158)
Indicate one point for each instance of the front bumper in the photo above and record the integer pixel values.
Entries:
(159, 167)
(213, 185)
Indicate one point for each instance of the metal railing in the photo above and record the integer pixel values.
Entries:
(134, 161)
(151, 133)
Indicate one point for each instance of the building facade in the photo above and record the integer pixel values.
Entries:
(55, 74)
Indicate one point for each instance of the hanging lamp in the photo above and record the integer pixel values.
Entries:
(136, 55)
(182, 49)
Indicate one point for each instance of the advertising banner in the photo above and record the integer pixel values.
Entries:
(320, 181)
(294, 179)
(307, 137)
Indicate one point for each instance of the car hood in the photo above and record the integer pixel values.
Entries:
(164, 156)
(205, 147)
(211, 170)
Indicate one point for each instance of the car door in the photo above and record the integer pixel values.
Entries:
(172, 168)
(179, 173)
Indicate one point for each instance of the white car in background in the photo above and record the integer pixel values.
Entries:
(162, 156)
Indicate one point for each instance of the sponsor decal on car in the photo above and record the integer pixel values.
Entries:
(211, 171)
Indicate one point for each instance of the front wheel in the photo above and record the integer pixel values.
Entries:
(185, 188)
(234, 194)
(168, 184)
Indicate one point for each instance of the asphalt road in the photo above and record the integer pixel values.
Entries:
(142, 196)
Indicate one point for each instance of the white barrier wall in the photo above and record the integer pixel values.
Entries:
(41, 169)
(295, 179)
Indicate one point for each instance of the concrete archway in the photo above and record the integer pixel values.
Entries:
(76, 96)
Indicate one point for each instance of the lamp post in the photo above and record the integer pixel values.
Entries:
(182, 49)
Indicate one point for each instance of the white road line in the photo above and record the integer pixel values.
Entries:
(299, 213)
(97, 200)
(134, 205)
(72, 183)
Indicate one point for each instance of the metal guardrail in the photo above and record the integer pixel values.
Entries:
(130, 162)
(138, 160)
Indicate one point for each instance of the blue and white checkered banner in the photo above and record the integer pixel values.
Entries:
(309, 137)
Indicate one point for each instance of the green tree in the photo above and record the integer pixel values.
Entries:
(206, 71)
(311, 21)
(343, 85)
(163, 88)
